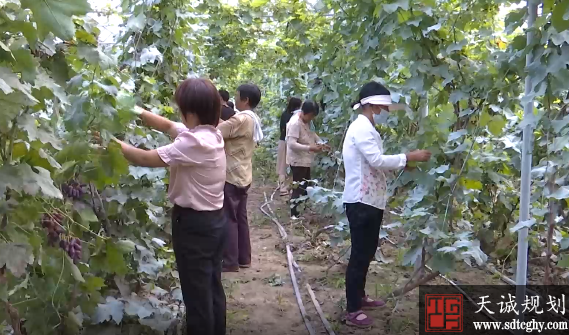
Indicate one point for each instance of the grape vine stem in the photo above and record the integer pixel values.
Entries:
(57, 286)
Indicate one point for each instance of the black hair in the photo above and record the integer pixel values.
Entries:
(371, 88)
(230, 104)
(200, 97)
(250, 92)
(310, 107)
(224, 95)
(293, 104)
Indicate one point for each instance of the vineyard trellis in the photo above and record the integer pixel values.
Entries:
(460, 60)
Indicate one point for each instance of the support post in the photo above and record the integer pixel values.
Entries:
(525, 189)
(425, 107)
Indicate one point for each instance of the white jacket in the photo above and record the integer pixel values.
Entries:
(365, 163)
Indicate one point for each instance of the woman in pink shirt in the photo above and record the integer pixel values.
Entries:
(197, 176)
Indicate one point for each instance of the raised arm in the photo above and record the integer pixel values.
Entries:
(157, 122)
(292, 137)
(369, 148)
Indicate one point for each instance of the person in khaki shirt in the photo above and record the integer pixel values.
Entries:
(240, 133)
(302, 143)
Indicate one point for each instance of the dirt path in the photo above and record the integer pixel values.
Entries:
(261, 300)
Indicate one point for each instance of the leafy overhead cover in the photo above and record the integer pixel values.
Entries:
(55, 16)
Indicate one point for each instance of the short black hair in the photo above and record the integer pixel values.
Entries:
(250, 92)
(371, 88)
(199, 96)
(310, 107)
(293, 104)
(224, 95)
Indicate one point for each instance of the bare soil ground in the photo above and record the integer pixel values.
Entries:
(261, 300)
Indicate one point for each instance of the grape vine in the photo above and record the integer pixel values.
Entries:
(89, 235)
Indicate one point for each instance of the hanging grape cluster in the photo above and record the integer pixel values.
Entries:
(72, 247)
(73, 190)
(52, 222)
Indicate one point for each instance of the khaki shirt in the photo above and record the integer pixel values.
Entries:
(299, 132)
(237, 133)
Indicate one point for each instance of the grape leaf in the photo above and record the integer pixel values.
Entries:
(390, 8)
(22, 178)
(411, 255)
(258, 3)
(85, 212)
(26, 64)
(95, 56)
(27, 123)
(442, 262)
(93, 284)
(564, 261)
(125, 246)
(523, 224)
(496, 125)
(56, 15)
(558, 20)
(139, 307)
(136, 23)
(561, 193)
(112, 309)
(160, 322)
(11, 106)
(16, 257)
(456, 135)
(74, 269)
(115, 260)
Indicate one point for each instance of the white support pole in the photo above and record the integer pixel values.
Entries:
(425, 107)
(525, 189)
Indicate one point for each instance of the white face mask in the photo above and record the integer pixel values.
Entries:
(380, 118)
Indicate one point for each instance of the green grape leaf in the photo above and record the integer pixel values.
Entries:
(496, 125)
(442, 262)
(22, 178)
(258, 3)
(125, 245)
(390, 8)
(564, 261)
(93, 284)
(136, 22)
(515, 19)
(411, 255)
(75, 272)
(43, 80)
(115, 260)
(158, 322)
(558, 20)
(16, 257)
(56, 15)
(561, 193)
(27, 123)
(85, 212)
(96, 57)
(137, 306)
(26, 64)
(111, 309)
(485, 118)
(11, 106)
(523, 224)
(564, 244)
(76, 117)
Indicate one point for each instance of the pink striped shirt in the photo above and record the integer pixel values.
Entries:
(197, 168)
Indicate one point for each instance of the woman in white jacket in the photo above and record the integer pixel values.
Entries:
(365, 195)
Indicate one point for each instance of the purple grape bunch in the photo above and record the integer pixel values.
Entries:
(72, 247)
(52, 222)
(73, 190)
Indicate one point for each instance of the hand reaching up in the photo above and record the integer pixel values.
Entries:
(315, 148)
(418, 156)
